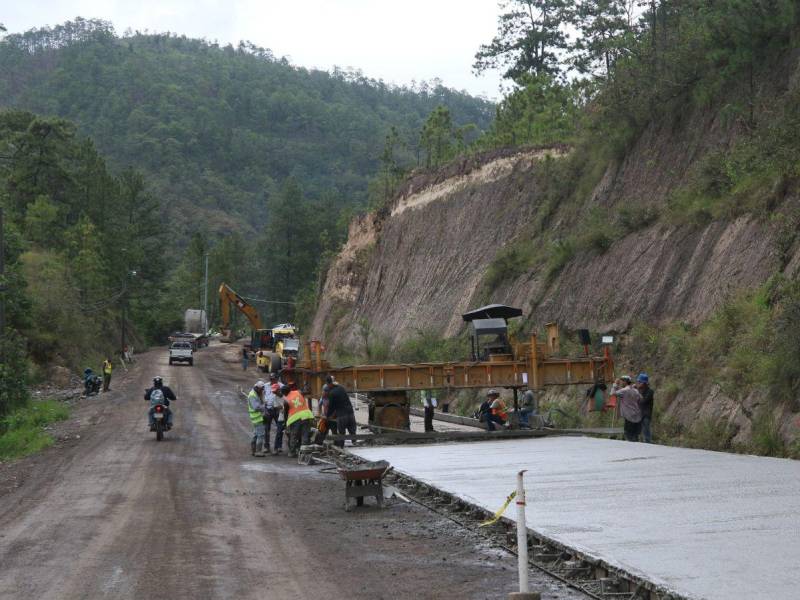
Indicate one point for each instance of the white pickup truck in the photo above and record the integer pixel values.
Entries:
(181, 352)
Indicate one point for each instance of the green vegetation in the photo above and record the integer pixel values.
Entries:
(218, 129)
(22, 431)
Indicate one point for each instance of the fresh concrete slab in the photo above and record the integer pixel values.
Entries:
(702, 524)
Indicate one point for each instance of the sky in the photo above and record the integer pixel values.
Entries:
(394, 41)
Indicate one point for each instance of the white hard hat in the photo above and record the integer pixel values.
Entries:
(493, 392)
(259, 384)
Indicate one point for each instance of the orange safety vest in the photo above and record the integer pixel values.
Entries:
(500, 411)
(298, 407)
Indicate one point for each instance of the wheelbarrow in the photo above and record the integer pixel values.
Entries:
(364, 480)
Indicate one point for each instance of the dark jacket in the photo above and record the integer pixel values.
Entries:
(647, 402)
(339, 402)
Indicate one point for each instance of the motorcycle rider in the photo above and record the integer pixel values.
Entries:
(87, 381)
(168, 394)
(256, 408)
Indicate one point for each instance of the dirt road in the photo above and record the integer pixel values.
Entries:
(115, 514)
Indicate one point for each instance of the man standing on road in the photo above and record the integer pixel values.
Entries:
(643, 384)
(340, 405)
(106, 374)
(629, 401)
(280, 417)
(298, 418)
(270, 409)
(428, 403)
(527, 408)
(255, 408)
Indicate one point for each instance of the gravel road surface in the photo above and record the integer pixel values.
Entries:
(108, 512)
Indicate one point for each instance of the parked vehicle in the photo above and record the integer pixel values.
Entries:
(92, 385)
(181, 352)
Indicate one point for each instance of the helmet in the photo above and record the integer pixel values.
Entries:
(259, 385)
(157, 381)
(326, 387)
(643, 378)
(329, 380)
(493, 392)
(273, 376)
(626, 378)
(285, 389)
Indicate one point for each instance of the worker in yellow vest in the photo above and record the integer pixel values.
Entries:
(298, 418)
(255, 408)
(106, 374)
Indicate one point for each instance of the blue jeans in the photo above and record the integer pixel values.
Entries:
(647, 434)
(491, 420)
(525, 416)
(280, 426)
(259, 432)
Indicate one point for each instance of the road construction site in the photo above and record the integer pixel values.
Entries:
(108, 512)
(111, 513)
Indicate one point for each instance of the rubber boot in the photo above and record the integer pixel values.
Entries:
(259, 449)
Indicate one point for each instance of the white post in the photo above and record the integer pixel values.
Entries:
(522, 535)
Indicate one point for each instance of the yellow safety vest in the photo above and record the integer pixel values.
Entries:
(107, 367)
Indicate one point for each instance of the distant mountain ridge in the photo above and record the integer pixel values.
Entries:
(217, 129)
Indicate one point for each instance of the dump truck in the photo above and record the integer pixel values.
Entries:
(276, 349)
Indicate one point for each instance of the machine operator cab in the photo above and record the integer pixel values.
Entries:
(489, 339)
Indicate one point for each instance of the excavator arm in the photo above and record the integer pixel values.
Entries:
(227, 297)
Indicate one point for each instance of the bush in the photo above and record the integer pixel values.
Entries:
(21, 431)
(562, 252)
(767, 439)
(711, 434)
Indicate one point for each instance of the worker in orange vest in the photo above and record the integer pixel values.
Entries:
(497, 410)
(299, 418)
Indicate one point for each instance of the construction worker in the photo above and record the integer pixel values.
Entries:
(629, 401)
(428, 404)
(643, 385)
(527, 407)
(271, 402)
(339, 404)
(255, 408)
(298, 418)
(280, 418)
(106, 374)
(497, 410)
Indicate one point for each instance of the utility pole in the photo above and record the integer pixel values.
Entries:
(205, 299)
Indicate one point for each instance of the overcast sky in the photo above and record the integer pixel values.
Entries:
(397, 41)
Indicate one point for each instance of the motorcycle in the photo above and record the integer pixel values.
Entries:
(92, 385)
(160, 424)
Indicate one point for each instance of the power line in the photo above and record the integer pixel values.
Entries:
(267, 301)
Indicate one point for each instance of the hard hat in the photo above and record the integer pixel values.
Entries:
(273, 376)
(329, 379)
(493, 392)
(326, 387)
(626, 378)
(259, 384)
(157, 380)
(643, 378)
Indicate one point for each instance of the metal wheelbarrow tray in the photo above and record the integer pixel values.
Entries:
(364, 480)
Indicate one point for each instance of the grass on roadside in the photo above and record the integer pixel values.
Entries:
(22, 431)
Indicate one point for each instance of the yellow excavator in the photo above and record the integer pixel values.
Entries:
(272, 346)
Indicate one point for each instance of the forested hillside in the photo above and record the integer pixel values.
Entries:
(218, 129)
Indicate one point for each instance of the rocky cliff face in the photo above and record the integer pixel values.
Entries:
(420, 263)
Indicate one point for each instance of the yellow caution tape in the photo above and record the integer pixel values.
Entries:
(500, 511)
